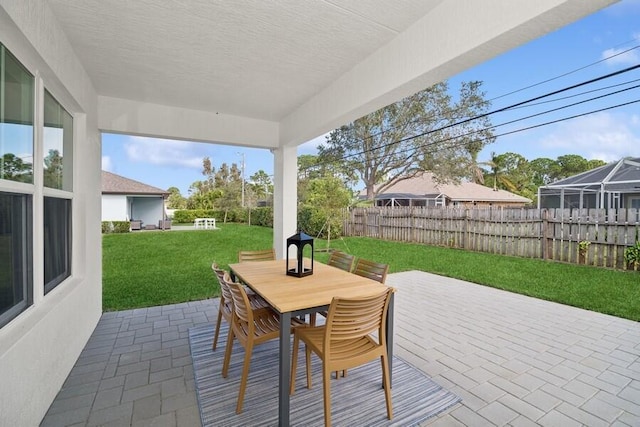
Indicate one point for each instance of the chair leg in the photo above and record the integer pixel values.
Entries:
(308, 360)
(215, 336)
(344, 373)
(245, 374)
(385, 381)
(294, 363)
(326, 388)
(227, 353)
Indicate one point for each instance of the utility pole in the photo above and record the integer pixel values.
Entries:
(242, 170)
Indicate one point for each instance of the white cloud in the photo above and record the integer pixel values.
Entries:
(603, 136)
(624, 55)
(617, 56)
(164, 152)
(107, 164)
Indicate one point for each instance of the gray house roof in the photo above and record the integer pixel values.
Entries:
(617, 176)
(116, 184)
(424, 186)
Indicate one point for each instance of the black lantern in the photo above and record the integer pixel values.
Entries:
(302, 267)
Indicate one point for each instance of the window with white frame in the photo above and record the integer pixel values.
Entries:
(57, 138)
(16, 186)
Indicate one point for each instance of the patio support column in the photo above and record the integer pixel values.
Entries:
(285, 196)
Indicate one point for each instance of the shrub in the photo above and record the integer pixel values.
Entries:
(632, 255)
(121, 226)
(115, 227)
(189, 215)
(316, 223)
(107, 226)
(262, 216)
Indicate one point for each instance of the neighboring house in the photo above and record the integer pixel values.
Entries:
(422, 190)
(124, 199)
(612, 186)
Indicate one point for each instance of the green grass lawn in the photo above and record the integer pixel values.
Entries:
(147, 269)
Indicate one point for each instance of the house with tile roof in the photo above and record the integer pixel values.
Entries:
(124, 199)
(423, 190)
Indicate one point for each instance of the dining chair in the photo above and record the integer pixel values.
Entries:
(372, 270)
(251, 327)
(345, 341)
(225, 309)
(341, 260)
(260, 255)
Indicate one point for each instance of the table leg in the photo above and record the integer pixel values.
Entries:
(285, 369)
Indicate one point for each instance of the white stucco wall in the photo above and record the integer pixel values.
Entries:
(147, 209)
(39, 347)
(114, 207)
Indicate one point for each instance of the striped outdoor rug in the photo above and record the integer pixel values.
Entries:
(357, 399)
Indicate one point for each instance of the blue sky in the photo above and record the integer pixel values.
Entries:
(578, 50)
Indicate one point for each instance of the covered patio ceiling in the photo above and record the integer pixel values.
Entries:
(278, 73)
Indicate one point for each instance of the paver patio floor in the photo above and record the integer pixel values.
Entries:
(513, 359)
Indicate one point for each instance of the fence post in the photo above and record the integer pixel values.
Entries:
(543, 232)
(466, 230)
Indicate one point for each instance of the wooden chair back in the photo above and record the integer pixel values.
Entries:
(341, 260)
(372, 270)
(218, 272)
(261, 255)
(225, 309)
(242, 316)
(352, 318)
(224, 288)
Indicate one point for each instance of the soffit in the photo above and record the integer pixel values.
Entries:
(251, 58)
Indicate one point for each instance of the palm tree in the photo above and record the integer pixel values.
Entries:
(496, 163)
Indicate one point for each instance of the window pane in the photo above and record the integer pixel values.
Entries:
(15, 255)
(58, 143)
(16, 119)
(57, 241)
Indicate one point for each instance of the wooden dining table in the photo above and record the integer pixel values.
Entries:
(297, 296)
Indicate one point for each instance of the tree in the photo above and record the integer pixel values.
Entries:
(204, 194)
(260, 185)
(514, 173)
(542, 171)
(228, 180)
(175, 199)
(573, 164)
(425, 131)
(14, 168)
(53, 170)
(326, 197)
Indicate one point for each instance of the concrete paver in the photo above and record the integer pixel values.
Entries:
(514, 360)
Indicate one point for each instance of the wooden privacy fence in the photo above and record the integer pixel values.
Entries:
(595, 237)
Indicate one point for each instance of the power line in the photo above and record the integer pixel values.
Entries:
(579, 94)
(499, 110)
(538, 83)
(567, 73)
(441, 142)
